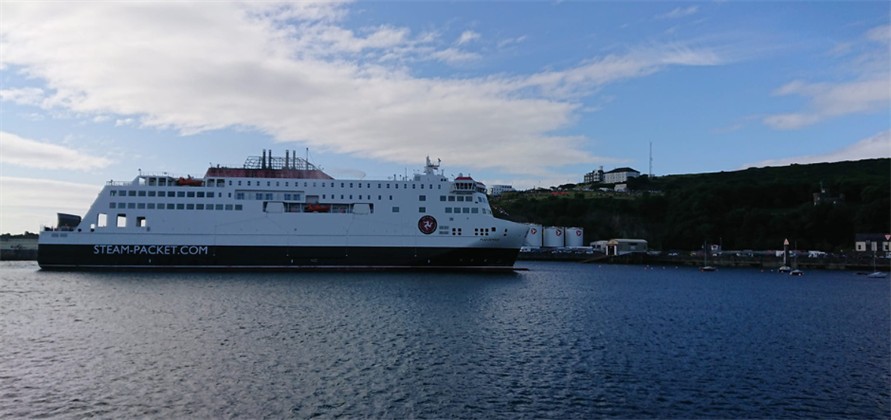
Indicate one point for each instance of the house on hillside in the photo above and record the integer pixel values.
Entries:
(619, 175)
(500, 189)
(594, 177)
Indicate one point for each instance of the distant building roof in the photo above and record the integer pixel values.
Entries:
(622, 170)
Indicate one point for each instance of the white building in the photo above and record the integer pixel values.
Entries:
(594, 177)
(619, 175)
(499, 189)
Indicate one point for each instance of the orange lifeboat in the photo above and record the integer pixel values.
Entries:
(317, 208)
(191, 182)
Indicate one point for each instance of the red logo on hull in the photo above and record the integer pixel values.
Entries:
(427, 225)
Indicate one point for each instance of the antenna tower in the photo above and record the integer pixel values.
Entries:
(651, 160)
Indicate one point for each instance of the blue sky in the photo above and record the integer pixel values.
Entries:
(521, 93)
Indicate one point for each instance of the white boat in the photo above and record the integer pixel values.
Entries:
(284, 213)
(876, 274)
(705, 266)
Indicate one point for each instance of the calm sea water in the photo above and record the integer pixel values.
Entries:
(561, 340)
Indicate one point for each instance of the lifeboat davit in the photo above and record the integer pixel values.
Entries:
(192, 182)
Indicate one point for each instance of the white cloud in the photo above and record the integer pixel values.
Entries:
(678, 13)
(880, 33)
(454, 56)
(868, 91)
(877, 146)
(15, 150)
(288, 70)
(505, 42)
(467, 36)
(27, 203)
(832, 100)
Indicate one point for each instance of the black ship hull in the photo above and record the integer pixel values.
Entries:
(103, 257)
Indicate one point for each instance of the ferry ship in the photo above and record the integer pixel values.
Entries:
(285, 213)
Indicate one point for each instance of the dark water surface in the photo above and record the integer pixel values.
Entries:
(560, 341)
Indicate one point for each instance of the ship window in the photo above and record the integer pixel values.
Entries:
(249, 183)
(422, 186)
(209, 207)
(466, 210)
(457, 209)
(360, 196)
(268, 196)
(199, 206)
(341, 196)
(351, 185)
(351, 196)
(180, 206)
(341, 185)
(288, 196)
(378, 197)
(422, 198)
(169, 194)
(200, 194)
(131, 193)
(277, 183)
(219, 206)
(239, 183)
(388, 186)
(451, 198)
(431, 186)
(391, 197)
(131, 205)
(442, 198)
(140, 206)
(140, 221)
(313, 184)
(474, 210)
(368, 185)
(111, 205)
(151, 193)
(258, 196)
(122, 220)
(422, 209)
(170, 206)
(210, 194)
(439, 187)
(151, 206)
(228, 207)
(238, 207)
(304, 184)
(141, 194)
(378, 185)
(180, 193)
(101, 220)
(268, 184)
(395, 209)
(190, 206)
(112, 193)
(448, 209)
(191, 194)
(460, 198)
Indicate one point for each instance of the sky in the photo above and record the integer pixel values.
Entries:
(524, 93)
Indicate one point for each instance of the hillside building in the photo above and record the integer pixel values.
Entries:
(500, 189)
(872, 242)
(619, 175)
(594, 177)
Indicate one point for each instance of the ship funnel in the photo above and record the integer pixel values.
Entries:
(263, 161)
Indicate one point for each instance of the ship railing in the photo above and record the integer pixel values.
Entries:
(119, 183)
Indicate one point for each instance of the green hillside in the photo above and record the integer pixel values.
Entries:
(754, 208)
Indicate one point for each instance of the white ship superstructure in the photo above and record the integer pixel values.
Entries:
(285, 213)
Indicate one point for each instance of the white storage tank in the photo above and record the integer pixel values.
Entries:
(533, 236)
(553, 237)
(574, 237)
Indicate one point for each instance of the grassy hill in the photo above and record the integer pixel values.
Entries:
(756, 208)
